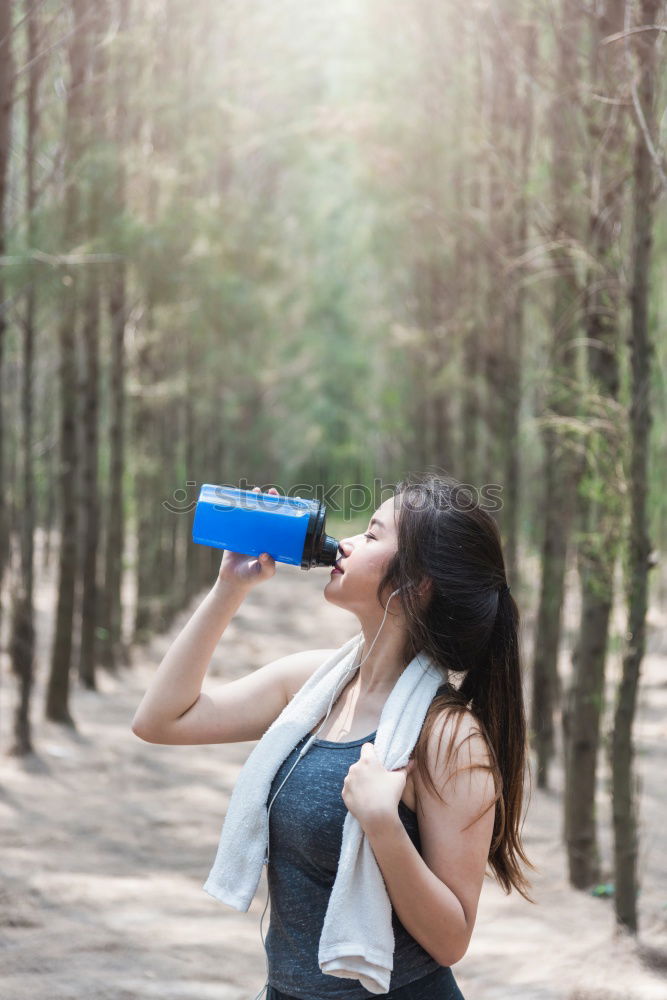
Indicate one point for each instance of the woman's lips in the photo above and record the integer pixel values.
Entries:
(337, 571)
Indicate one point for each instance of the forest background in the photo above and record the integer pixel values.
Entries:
(316, 247)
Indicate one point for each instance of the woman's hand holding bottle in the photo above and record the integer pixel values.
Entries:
(247, 571)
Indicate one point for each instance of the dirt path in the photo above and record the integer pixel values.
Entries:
(105, 842)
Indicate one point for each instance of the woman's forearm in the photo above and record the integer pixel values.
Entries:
(178, 680)
(427, 908)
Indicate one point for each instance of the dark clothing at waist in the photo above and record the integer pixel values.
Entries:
(437, 985)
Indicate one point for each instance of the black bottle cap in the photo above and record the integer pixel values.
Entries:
(319, 549)
(329, 551)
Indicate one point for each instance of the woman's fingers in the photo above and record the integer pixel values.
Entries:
(272, 489)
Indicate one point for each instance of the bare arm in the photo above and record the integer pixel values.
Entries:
(175, 710)
(436, 893)
(177, 683)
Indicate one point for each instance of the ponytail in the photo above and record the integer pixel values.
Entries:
(493, 688)
(469, 626)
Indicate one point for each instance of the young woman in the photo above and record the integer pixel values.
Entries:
(433, 826)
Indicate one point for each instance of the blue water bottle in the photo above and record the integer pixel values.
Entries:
(291, 530)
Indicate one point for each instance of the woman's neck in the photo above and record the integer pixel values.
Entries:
(382, 665)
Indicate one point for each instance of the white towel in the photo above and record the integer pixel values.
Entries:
(357, 938)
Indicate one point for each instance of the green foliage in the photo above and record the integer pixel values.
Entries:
(302, 200)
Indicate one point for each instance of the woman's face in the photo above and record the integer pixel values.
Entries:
(363, 559)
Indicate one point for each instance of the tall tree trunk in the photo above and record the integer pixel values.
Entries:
(147, 459)
(639, 549)
(600, 507)
(57, 699)
(500, 361)
(558, 475)
(152, 368)
(90, 337)
(111, 602)
(6, 97)
(471, 252)
(47, 516)
(511, 495)
(429, 278)
(89, 496)
(22, 642)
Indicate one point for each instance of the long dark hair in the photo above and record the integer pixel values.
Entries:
(469, 626)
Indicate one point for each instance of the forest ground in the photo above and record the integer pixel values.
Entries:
(105, 841)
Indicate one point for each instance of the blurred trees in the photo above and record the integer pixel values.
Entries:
(558, 407)
(67, 302)
(22, 639)
(649, 179)
(602, 436)
(6, 99)
(325, 244)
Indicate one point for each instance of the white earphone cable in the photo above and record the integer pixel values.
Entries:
(301, 754)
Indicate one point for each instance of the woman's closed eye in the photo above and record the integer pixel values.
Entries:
(367, 535)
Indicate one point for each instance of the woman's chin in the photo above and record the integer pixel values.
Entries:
(331, 587)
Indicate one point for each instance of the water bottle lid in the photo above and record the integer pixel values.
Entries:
(329, 551)
(318, 549)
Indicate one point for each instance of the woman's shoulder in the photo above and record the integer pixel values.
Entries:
(451, 724)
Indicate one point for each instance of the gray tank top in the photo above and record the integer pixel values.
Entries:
(305, 835)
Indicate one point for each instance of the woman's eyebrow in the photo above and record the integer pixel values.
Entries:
(375, 520)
